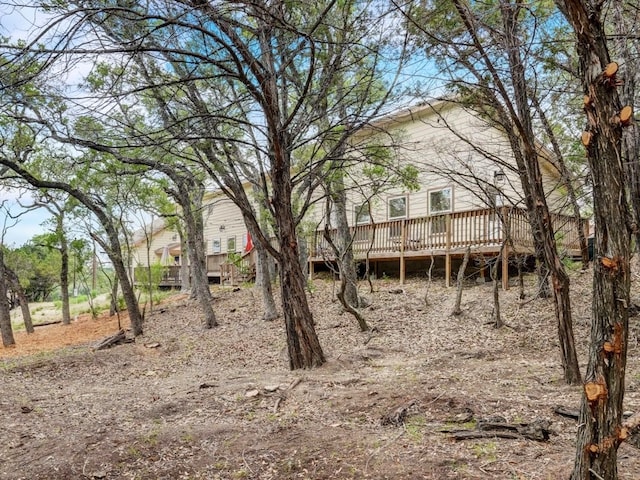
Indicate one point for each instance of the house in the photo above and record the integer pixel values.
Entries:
(470, 197)
(226, 239)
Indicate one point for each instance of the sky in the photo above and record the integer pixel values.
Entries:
(26, 224)
(20, 23)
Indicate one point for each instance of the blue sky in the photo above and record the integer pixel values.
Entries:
(18, 231)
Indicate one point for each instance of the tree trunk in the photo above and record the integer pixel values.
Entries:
(302, 340)
(185, 259)
(190, 198)
(567, 180)
(6, 329)
(541, 221)
(263, 276)
(64, 273)
(22, 298)
(113, 304)
(630, 135)
(200, 280)
(600, 433)
(346, 263)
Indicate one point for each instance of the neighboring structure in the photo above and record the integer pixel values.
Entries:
(225, 233)
(470, 197)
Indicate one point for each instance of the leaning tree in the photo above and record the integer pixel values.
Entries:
(225, 80)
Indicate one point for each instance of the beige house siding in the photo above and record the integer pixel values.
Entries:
(148, 252)
(224, 232)
(224, 229)
(446, 159)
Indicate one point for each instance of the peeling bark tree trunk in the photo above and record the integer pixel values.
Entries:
(5, 314)
(302, 340)
(600, 432)
(263, 275)
(542, 223)
(189, 195)
(22, 298)
(113, 308)
(346, 263)
(185, 272)
(623, 22)
(64, 272)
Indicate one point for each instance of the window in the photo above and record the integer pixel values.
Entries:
(231, 244)
(397, 211)
(397, 208)
(362, 214)
(440, 201)
(216, 246)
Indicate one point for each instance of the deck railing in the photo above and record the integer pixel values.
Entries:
(171, 275)
(450, 232)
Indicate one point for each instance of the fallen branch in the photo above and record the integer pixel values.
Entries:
(44, 324)
(567, 412)
(116, 339)
(537, 430)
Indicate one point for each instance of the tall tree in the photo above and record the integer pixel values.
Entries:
(58, 240)
(210, 73)
(600, 432)
(488, 52)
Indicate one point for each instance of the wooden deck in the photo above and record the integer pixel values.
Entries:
(484, 231)
(219, 270)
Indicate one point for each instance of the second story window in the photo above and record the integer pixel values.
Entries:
(440, 201)
(397, 208)
(362, 214)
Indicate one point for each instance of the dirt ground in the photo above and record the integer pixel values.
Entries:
(187, 403)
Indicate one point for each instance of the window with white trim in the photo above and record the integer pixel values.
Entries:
(231, 244)
(440, 201)
(362, 213)
(216, 245)
(397, 208)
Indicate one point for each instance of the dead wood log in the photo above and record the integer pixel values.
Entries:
(116, 339)
(44, 324)
(538, 430)
(398, 416)
(567, 412)
(473, 434)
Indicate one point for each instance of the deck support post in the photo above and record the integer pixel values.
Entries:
(311, 264)
(403, 240)
(447, 259)
(506, 236)
(505, 267)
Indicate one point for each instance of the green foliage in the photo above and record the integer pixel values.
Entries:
(37, 266)
(150, 277)
(236, 259)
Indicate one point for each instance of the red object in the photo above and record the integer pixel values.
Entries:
(249, 246)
